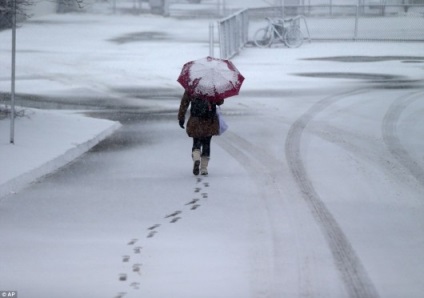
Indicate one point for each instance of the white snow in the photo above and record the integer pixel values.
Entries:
(256, 233)
(45, 141)
(211, 77)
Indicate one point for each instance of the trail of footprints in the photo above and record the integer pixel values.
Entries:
(151, 232)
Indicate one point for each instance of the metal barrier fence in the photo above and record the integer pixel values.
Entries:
(353, 22)
(336, 22)
(233, 33)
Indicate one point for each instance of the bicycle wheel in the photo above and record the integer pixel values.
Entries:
(293, 37)
(263, 37)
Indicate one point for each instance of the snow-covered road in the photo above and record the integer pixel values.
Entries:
(345, 156)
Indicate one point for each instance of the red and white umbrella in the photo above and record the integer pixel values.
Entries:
(211, 78)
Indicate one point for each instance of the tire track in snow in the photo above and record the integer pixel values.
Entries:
(391, 138)
(273, 273)
(353, 274)
(267, 268)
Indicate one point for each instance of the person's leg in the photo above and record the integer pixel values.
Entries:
(195, 154)
(197, 144)
(206, 146)
(206, 152)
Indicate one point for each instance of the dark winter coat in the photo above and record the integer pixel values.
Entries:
(198, 127)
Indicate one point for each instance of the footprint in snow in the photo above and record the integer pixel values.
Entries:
(137, 249)
(195, 206)
(154, 227)
(137, 268)
(125, 259)
(132, 242)
(175, 219)
(173, 214)
(151, 234)
(194, 201)
(135, 285)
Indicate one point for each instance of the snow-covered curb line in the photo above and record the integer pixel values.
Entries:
(27, 178)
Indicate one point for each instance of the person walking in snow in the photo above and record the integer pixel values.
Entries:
(201, 126)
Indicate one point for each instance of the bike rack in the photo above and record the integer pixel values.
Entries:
(297, 18)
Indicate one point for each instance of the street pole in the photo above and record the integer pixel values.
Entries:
(211, 40)
(12, 93)
(355, 34)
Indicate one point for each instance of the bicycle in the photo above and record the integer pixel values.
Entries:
(285, 30)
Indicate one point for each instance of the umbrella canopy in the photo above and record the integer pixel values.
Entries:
(211, 78)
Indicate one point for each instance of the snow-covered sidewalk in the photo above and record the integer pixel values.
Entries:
(45, 141)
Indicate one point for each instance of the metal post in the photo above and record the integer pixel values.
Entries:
(12, 93)
(221, 7)
(166, 8)
(356, 22)
(383, 8)
(211, 39)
